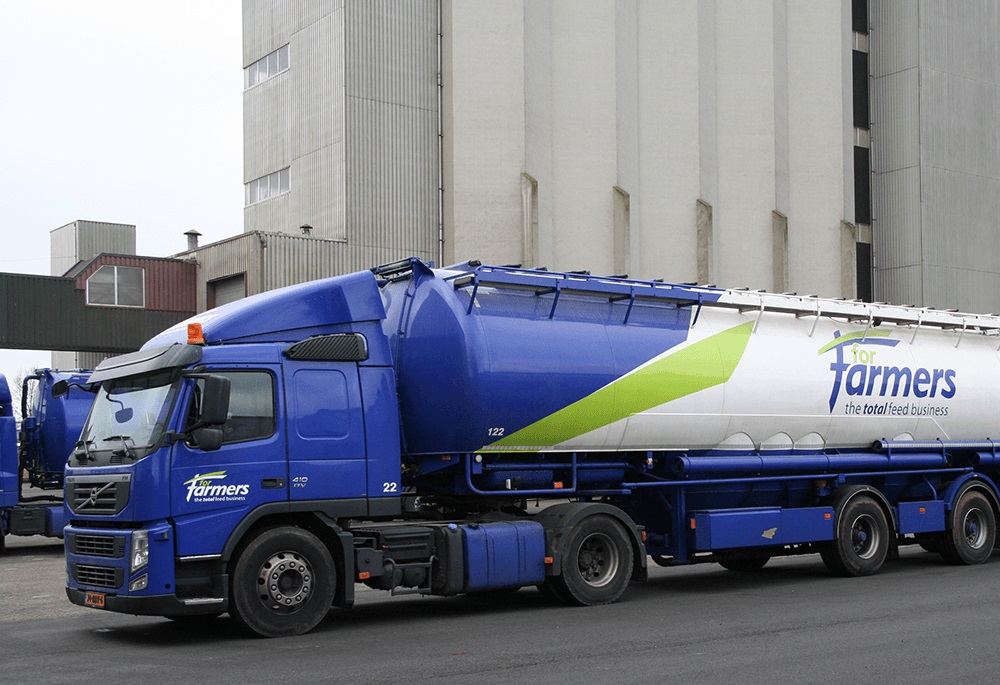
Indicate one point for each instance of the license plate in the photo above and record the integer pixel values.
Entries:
(95, 599)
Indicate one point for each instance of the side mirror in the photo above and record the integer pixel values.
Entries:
(215, 401)
(207, 439)
(60, 388)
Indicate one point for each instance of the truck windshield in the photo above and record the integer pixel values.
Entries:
(128, 418)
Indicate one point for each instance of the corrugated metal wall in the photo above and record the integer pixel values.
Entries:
(897, 246)
(82, 240)
(49, 313)
(936, 153)
(355, 120)
(391, 107)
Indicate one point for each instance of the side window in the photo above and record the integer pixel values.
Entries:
(251, 405)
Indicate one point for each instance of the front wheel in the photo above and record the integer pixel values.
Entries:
(861, 542)
(282, 583)
(596, 563)
(973, 530)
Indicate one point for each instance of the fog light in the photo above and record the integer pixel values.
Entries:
(139, 583)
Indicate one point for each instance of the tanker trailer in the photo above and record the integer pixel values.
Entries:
(731, 425)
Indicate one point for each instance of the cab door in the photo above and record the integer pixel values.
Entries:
(326, 434)
(212, 491)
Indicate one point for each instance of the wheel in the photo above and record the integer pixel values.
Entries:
(596, 563)
(282, 583)
(973, 530)
(747, 562)
(861, 541)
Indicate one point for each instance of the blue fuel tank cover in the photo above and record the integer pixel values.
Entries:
(503, 555)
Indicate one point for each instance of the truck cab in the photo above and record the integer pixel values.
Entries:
(193, 448)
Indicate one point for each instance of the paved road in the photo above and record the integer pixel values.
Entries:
(919, 621)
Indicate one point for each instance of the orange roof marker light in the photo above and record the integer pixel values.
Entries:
(195, 336)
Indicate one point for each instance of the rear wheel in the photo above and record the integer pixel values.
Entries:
(862, 540)
(596, 563)
(282, 583)
(973, 530)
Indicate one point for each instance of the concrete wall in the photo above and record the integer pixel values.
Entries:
(585, 135)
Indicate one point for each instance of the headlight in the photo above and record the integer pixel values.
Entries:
(140, 549)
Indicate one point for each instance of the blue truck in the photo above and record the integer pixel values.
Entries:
(483, 428)
(35, 453)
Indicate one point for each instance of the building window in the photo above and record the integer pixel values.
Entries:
(268, 186)
(117, 286)
(266, 67)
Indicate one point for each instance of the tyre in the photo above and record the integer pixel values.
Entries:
(596, 563)
(747, 562)
(861, 543)
(973, 530)
(282, 583)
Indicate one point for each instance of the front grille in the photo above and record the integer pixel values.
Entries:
(96, 494)
(97, 576)
(111, 546)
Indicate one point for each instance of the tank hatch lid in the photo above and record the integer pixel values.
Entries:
(286, 314)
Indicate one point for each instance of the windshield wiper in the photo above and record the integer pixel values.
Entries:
(85, 455)
(126, 450)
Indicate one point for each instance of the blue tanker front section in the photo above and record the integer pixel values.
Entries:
(481, 355)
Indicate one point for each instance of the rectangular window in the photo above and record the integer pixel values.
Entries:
(251, 405)
(864, 270)
(266, 67)
(860, 77)
(862, 186)
(859, 16)
(117, 286)
(269, 186)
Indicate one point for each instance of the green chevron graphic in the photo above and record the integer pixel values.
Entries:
(704, 364)
(859, 335)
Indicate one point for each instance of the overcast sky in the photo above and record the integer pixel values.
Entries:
(123, 111)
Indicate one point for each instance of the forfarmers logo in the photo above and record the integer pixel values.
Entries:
(860, 374)
(205, 488)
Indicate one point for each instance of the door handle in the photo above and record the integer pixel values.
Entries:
(272, 483)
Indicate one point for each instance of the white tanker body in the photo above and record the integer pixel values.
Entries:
(813, 383)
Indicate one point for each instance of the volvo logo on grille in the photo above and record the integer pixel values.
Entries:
(98, 496)
(95, 492)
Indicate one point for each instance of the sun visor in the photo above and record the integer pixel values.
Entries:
(146, 361)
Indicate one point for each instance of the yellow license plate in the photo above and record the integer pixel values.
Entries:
(95, 599)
